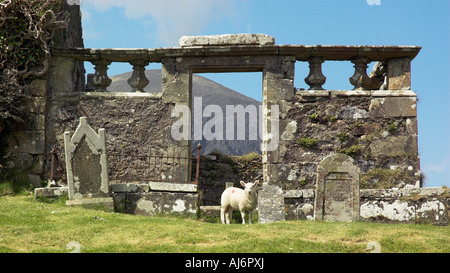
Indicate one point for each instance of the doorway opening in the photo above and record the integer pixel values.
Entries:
(226, 119)
(226, 114)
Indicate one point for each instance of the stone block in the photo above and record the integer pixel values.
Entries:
(37, 122)
(32, 142)
(425, 192)
(34, 105)
(390, 107)
(370, 194)
(407, 205)
(279, 173)
(210, 210)
(61, 75)
(394, 146)
(38, 88)
(227, 39)
(313, 93)
(388, 211)
(399, 73)
(293, 194)
(172, 187)
(352, 112)
(129, 187)
(20, 161)
(154, 203)
(276, 88)
(350, 93)
(432, 210)
(393, 93)
(176, 82)
(270, 204)
(51, 192)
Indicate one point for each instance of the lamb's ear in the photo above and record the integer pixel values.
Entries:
(256, 183)
(243, 183)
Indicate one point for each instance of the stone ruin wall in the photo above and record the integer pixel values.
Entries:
(25, 151)
(133, 124)
(407, 205)
(377, 128)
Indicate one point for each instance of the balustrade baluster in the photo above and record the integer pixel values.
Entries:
(360, 79)
(315, 79)
(138, 81)
(101, 80)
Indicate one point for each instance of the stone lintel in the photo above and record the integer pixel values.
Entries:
(300, 52)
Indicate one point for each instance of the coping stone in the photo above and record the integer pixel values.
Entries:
(227, 39)
(174, 187)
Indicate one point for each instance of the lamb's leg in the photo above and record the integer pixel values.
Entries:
(222, 214)
(250, 217)
(243, 216)
(228, 212)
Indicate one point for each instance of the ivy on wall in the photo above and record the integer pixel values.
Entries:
(26, 31)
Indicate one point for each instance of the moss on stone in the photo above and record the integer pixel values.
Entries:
(307, 142)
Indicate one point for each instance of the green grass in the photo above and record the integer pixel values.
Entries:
(28, 225)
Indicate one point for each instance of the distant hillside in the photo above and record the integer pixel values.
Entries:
(211, 93)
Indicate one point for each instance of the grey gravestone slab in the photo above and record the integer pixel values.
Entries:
(86, 164)
(337, 189)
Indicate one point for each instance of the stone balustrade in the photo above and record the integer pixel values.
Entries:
(392, 70)
(369, 116)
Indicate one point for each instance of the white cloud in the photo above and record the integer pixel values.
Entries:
(174, 18)
(440, 167)
(92, 34)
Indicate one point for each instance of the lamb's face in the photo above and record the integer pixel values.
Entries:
(249, 187)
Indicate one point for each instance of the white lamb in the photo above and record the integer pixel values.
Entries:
(241, 199)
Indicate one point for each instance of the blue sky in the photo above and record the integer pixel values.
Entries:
(153, 23)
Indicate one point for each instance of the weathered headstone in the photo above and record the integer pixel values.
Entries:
(86, 166)
(337, 189)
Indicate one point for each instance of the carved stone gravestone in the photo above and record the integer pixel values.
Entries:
(86, 166)
(337, 189)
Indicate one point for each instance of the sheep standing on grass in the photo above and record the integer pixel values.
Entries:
(241, 199)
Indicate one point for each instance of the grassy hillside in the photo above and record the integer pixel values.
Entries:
(27, 225)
